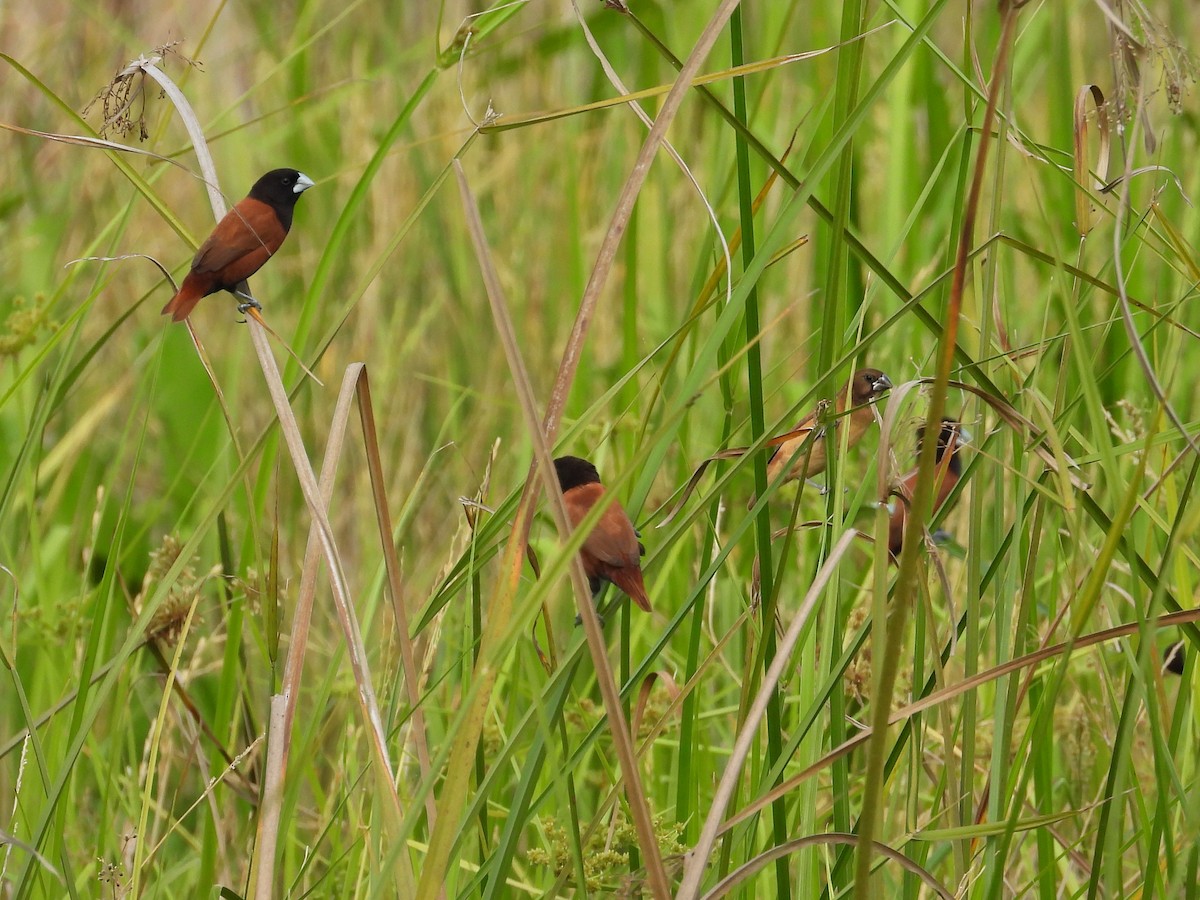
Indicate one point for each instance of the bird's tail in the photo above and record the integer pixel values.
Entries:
(181, 305)
(629, 579)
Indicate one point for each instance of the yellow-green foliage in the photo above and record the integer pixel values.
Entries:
(142, 473)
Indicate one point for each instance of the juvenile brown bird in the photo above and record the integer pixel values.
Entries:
(947, 471)
(247, 237)
(611, 551)
(802, 450)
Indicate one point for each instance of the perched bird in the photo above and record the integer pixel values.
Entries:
(802, 450)
(246, 238)
(611, 551)
(947, 471)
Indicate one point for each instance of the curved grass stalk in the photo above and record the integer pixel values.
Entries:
(461, 760)
(369, 706)
(698, 858)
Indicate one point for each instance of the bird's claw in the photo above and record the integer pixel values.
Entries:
(823, 489)
(249, 304)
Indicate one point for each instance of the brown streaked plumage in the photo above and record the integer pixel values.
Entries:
(947, 471)
(802, 450)
(243, 240)
(611, 552)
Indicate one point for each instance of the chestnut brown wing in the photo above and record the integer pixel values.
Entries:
(246, 238)
(613, 541)
(946, 479)
(902, 498)
(612, 550)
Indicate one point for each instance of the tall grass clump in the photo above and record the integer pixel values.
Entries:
(291, 605)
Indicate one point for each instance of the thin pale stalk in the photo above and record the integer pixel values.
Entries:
(668, 147)
(747, 871)
(308, 485)
(353, 384)
(697, 859)
(415, 726)
(262, 866)
(891, 628)
(1131, 332)
(455, 787)
(139, 857)
(619, 726)
(951, 692)
(606, 256)
(368, 704)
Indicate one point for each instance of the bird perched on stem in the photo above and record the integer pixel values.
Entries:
(250, 234)
(803, 452)
(611, 552)
(947, 471)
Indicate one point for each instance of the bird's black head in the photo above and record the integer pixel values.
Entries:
(573, 471)
(1174, 658)
(952, 433)
(280, 189)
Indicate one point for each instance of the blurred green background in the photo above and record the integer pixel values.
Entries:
(1070, 778)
